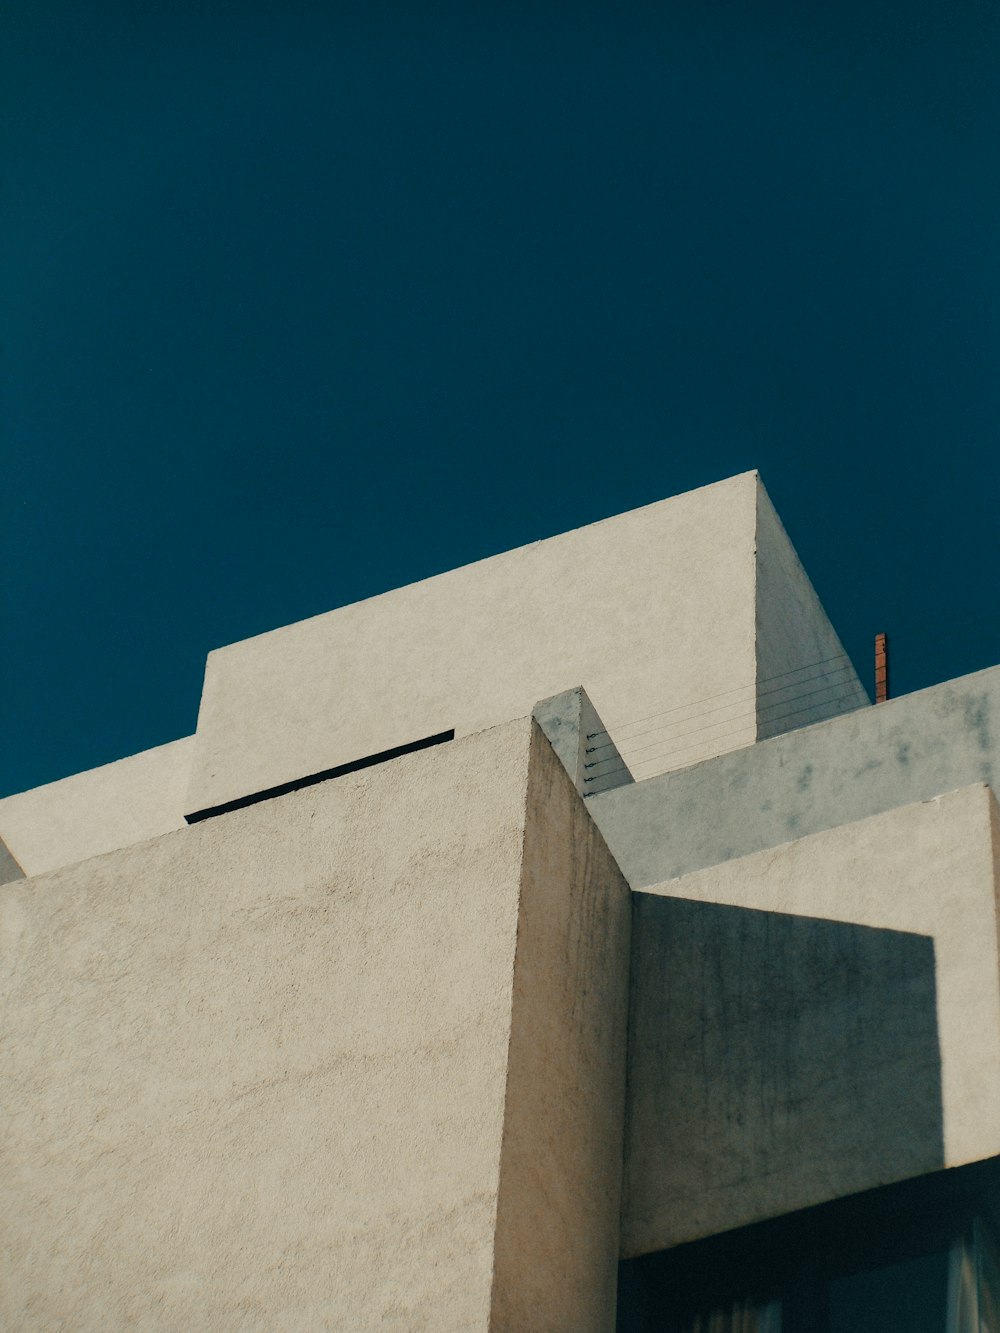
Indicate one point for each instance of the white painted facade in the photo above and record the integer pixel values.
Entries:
(430, 1044)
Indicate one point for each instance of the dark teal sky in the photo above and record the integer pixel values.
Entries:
(302, 302)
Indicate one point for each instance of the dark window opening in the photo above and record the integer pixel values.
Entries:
(914, 1258)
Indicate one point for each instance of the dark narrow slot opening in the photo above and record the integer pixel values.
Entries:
(369, 761)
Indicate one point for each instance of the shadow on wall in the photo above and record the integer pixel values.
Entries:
(775, 1062)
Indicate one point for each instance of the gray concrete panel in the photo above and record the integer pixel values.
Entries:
(874, 759)
(775, 1064)
(772, 1054)
(576, 733)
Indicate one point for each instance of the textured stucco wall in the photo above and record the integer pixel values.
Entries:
(560, 1179)
(648, 610)
(842, 1034)
(803, 673)
(282, 1070)
(255, 1070)
(869, 761)
(98, 811)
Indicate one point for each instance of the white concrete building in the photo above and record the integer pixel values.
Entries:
(561, 943)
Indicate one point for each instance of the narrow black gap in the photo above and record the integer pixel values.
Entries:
(368, 762)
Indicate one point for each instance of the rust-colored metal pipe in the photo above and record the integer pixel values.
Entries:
(881, 668)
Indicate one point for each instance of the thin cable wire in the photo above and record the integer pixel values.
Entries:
(792, 671)
(736, 703)
(625, 742)
(754, 713)
(670, 754)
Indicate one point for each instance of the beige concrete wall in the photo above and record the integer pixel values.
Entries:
(669, 615)
(803, 672)
(560, 1177)
(814, 1020)
(280, 1070)
(649, 610)
(254, 1071)
(99, 810)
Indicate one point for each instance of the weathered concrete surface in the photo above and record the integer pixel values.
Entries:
(572, 726)
(803, 673)
(98, 811)
(655, 612)
(775, 1064)
(282, 1070)
(558, 1210)
(871, 760)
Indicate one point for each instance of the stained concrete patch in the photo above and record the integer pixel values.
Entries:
(872, 760)
(582, 743)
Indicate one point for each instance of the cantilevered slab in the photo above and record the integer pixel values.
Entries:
(814, 1020)
(872, 760)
